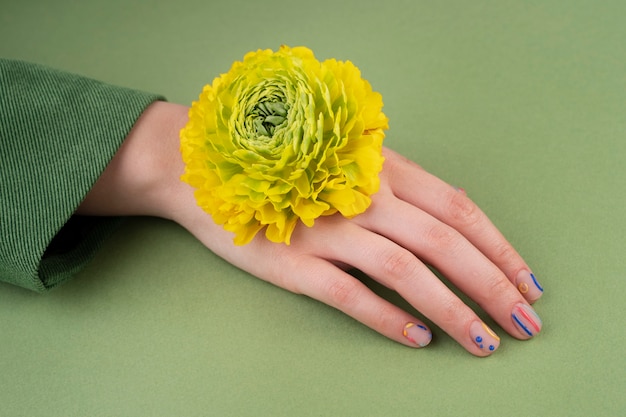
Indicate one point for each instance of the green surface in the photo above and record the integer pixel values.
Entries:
(521, 103)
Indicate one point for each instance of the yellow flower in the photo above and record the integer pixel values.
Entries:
(283, 137)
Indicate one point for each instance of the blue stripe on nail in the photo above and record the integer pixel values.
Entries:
(535, 281)
(528, 332)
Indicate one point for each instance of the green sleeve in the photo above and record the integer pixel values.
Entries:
(58, 132)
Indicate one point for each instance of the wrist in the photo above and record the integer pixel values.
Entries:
(143, 178)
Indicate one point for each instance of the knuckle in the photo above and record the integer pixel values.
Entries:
(504, 251)
(442, 238)
(498, 288)
(280, 273)
(343, 293)
(505, 254)
(399, 264)
(383, 317)
(449, 312)
(462, 210)
(396, 165)
(390, 171)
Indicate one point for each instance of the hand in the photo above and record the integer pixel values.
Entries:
(415, 220)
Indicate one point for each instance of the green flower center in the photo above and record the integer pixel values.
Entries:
(267, 116)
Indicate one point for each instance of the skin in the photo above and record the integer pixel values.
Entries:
(432, 223)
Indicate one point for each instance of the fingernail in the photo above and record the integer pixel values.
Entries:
(484, 337)
(459, 189)
(418, 334)
(526, 320)
(528, 285)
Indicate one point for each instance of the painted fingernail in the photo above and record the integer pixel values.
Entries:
(418, 334)
(526, 320)
(484, 337)
(528, 285)
(459, 189)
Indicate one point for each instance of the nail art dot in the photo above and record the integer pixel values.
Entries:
(483, 337)
(523, 288)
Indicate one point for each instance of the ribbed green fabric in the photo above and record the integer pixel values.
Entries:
(58, 132)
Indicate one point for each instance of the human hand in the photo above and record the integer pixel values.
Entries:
(415, 220)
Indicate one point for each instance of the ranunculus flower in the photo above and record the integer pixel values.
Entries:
(283, 137)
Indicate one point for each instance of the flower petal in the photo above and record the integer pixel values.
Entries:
(282, 138)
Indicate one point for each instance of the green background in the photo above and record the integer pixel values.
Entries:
(521, 103)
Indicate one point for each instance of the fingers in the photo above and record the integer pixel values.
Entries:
(323, 281)
(414, 220)
(417, 187)
(308, 266)
(400, 270)
(455, 257)
(337, 239)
